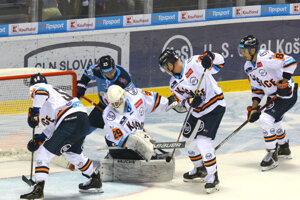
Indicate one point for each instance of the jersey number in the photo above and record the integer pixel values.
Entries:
(64, 95)
(117, 133)
(279, 56)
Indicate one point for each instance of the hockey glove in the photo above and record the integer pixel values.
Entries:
(36, 142)
(207, 60)
(196, 102)
(283, 89)
(81, 88)
(33, 117)
(172, 103)
(253, 114)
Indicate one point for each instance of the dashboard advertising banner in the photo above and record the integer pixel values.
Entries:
(148, 45)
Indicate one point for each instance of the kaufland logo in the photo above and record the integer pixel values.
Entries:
(295, 8)
(81, 24)
(137, 20)
(191, 15)
(246, 11)
(238, 12)
(23, 28)
(129, 20)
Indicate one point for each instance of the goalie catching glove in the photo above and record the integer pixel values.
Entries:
(36, 142)
(253, 113)
(33, 117)
(140, 143)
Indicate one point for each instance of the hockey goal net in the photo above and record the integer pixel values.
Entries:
(14, 104)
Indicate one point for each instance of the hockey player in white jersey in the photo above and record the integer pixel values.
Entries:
(208, 107)
(66, 126)
(124, 119)
(270, 74)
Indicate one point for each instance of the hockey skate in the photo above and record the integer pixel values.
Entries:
(36, 193)
(284, 151)
(270, 160)
(93, 185)
(212, 183)
(196, 175)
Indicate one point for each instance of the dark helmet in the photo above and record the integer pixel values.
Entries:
(106, 64)
(249, 42)
(167, 56)
(37, 78)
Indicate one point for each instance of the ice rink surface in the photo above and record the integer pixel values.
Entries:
(238, 164)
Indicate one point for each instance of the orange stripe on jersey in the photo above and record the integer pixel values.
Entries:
(287, 66)
(158, 97)
(196, 158)
(86, 165)
(41, 92)
(42, 169)
(210, 163)
(269, 139)
(281, 136)
(258, 91)
(210, 102)
(32, 93)
(62, 112)
(177, 99)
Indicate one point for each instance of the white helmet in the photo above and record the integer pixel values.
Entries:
(116, 97)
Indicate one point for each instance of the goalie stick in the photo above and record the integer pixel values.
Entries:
(246, 122)
(93, 103)
(157, 145)
(30, 182)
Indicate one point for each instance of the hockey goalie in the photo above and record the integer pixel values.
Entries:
(132, 157)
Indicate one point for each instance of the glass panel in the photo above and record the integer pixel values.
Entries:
(259, 2)
(174, 5)
(13, 11)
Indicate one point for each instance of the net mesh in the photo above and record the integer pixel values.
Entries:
(15, 101)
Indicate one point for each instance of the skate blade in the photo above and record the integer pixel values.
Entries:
(212, 190)
(274, 165)
(33, 198)
(94, 190)
(287, 157)
(195, 180)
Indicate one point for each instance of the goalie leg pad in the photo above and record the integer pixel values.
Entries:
(140, 142)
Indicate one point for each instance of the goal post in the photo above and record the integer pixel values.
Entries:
(14, 104)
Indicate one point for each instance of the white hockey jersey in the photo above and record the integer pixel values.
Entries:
(185, 85)
(54, 105)
(267, 70)
(139, 103)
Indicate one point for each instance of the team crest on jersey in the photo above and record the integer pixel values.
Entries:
(265, 133)
(272, 130)
(134, 91)
(191, 153)
(208, 156)
(189, 73)
(111, 116)
(262, 72)
(279, 131)
(270, 106)
(249, 69)
(194, 80)
(142, 111)
(201, 127)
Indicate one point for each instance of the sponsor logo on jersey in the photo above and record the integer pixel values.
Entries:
(201, 126)
(262, 72)
(259, 64)
(209, 156)
(279, 131)
(111, 116)
(249, 69)
(187, 129)
(126, 161)
(134, 91)
(138, 103)
(65, 148)
(135, 125)
(272, 130)
(123, 120)
(265, 133)
(142, 111)
(194, 80)
(189, 72)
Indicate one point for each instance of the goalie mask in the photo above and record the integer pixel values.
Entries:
(37, 78)
(117, 97)
(167, 56)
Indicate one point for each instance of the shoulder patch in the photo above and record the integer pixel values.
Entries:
(111, 116)
(174, 84)
(133, 91)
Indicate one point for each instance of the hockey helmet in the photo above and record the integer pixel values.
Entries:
(249, 42)
(167, 56)
(37, 78)
(117, 97)
(107, 64)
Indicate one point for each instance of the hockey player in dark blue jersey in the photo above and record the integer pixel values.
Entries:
(106, 73)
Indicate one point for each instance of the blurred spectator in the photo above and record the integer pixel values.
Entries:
(50, 10)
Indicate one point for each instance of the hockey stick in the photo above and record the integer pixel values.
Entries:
(168, 159)
(157, 145)
(91, 102)
(246, 122)
(30, 182)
